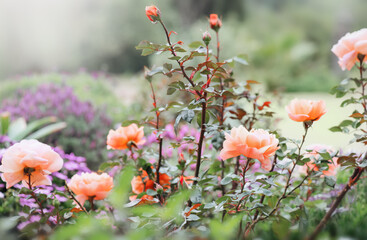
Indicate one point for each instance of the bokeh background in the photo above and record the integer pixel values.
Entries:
(86, 49)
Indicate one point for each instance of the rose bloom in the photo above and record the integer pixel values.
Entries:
(301, 110)
(124, 137)
(142, 183)
(91, 185)
(314, 155)
(152, 13)
(215, 22)
(257, 144)
(29, 159)
(348, 48)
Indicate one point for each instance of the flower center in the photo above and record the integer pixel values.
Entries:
(28, 170)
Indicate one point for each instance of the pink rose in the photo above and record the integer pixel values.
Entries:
(29, 161)
(348, 48)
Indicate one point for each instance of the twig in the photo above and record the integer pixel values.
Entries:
(178, 61)
(73, 197)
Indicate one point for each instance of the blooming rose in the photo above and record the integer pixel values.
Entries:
(301, 110)
(314, 155)
(91, 185)
(152, 13)
(29, 161)
(215, 22)
(125, 137)
(258, 144)
(142, 183)
(348, 48)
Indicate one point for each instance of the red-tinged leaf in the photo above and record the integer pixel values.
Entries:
(171, 33)
(192, 208)
(356, 115)
(76, 210)
(252, 82)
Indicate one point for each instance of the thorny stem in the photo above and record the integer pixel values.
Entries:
(242, 188)
(159, 138)
(287, 185)
(352, 180)
(236, 168)
(178, 61)
(263, 196)
(218, 46)
(34, 195)
(73, 197)
(221, 113)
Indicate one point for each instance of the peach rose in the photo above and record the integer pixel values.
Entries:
(257, 144)
(152, 13)
(215, 22)
(314, 155)
(348, 48)
(125, 137)
(29, 161)
(301, 110)
(91, 185)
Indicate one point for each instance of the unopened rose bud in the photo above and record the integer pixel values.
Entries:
(153, 13)
(206, 38)
(215, 22)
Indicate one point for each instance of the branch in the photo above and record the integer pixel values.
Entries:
(352, 180)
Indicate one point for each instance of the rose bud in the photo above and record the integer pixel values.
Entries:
(153, 13)
(215, 22)
(206, 38)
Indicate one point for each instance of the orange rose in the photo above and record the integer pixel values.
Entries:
(152, 13)
(125, 137)
(91, 185)
(215, 22)
(29, 161)
(142, 183)
(314, 155)
(257, 144)
(301, 110)
(348, 48)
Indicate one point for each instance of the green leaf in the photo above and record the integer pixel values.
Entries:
(170, 91)
(47, 130)
(330, 181)
(281, 227)
(335, 129)
(120, 192)
(147, 51)
(106, 165)
(196, 44)
(32, 126)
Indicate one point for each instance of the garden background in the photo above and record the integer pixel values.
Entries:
(54, 51)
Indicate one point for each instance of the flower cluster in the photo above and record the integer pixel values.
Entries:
(83, 120)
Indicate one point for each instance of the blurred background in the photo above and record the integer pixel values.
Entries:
(88, 48)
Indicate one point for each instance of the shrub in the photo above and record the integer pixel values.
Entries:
(86, 125)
